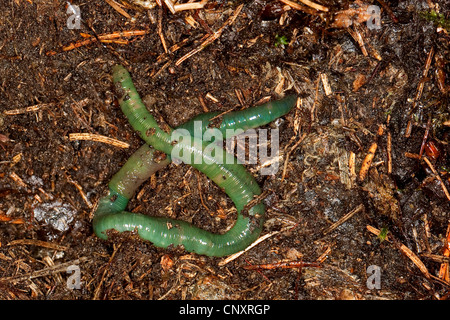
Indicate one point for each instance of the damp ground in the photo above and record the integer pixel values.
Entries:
(362, 90)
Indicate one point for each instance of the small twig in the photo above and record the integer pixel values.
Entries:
(415, 259)
(425, 137)
(199, 186)
(44, 272)
(374, 72)
(412, 155)
(28, 109)
(435, 257)
(169, 5)
(189, 6)
(197, 20)
(203, 103)
(356, 35)
(80, 190)
(164, 67)
(286, 160)
(444, 269)
(444, 188)
(98, 138)
(389, 152)
(99, 286)
(160, 32)
(6, 218)
(240, 97)
(282, 265)
(259, 240)
(164, 56)
(39, 243)
(212, 37)
(306, 2)
(405, 250)
(79, 105)
(419, 92)
(343, 219)
(18, 180)
(254, 202)
(104, 38)
(388, 10)
(314, 5)
(116, 6)
(259, 271)
(324, 255)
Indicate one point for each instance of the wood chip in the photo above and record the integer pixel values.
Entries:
(359, 81)
(370, 155)
(326, 84)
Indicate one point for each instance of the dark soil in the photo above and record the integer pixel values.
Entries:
(50, 185)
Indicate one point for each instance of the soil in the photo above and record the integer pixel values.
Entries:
(50, 184)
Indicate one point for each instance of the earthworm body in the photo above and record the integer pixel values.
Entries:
(232, 177)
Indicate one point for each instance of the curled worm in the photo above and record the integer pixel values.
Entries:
(239, 185)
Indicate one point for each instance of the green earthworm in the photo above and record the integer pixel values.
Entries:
(239, 185)
(239, 121)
